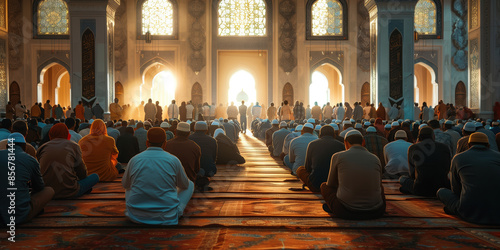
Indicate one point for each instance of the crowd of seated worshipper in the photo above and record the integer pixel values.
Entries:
(428, 157)
(333, 150)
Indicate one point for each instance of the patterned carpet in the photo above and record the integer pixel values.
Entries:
(251, 206)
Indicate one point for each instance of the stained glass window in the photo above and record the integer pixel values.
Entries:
(158, 17)
(53, 18)
(425, 17)
(327, 18)
(242, 18)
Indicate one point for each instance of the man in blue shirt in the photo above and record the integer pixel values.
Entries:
(18, 205)
(157, 188)
(278, 138)
(298, 148)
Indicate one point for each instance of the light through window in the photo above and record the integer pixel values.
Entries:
(163, 90)
(242, 87)
(318, 90)
(425, 17)
(242, 18)
(327, 18)
(158, 17)
(53, 18)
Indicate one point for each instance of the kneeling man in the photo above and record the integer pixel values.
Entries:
(157, 187)
(354, 188)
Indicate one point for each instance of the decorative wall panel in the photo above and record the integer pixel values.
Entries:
(16, 40)
(121, 37)
(88, 64)
(459, 35)
(474, 73)
(363, 37)
(287, 38)
(3, 74)
(197, 39)
(396, 65)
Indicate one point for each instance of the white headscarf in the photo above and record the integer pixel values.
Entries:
(219, 131)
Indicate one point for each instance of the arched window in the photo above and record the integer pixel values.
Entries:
(428, 19)
(326, 19)
(242, 18)
(51, 18)
(159, 17)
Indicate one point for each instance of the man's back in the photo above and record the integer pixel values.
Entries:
(474, 176)
(375, 145)
(278, 140)
(428, 163)
(318, 158)
(243, 111)
(208, 146)
(151, 182)
(189, 154)
(396, 157)
(298, 149)
(358, 175)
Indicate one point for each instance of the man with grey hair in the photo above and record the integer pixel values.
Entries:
(354, 187)
(278, 138)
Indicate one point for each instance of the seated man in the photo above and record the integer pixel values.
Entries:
(22, 128)
(27, 174)
(128, 145)
(474, 183)
(70, 123)
(319, 154)
(62, 166)
(375, 143)
(269, 134)
(396, 156)
(208, 146)
(298, 148)
(157, 188)
(188, 152)
(289, 138)
(354, 188)
(429, 164)
(227, 151)
(278, 139)
(463, 143)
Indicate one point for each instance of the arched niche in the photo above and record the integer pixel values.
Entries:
(365, 93)
(14, 93)
(460, 95)
(197, 94)
(119, 92)
(288, 93)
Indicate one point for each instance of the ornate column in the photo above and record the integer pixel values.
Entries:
(391, 52)
(484, 54)
(92, 64)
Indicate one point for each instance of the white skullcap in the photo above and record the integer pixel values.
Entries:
(164, 125)
(358, 125)
(299, 128)
(275, 122)
(283, 124)
(395, 124)
(318, 127)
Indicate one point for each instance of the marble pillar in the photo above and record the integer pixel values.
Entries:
(484, 56)
(92, 64)
(391, 52)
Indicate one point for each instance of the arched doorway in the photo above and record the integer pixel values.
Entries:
(54, 85)
(460, 95)
(163, 87)
(288, 93)
(197, 94)
(426, 84)
(365, 93)
(119, 93)
(242, 85)
(332, 92)
(14, 93)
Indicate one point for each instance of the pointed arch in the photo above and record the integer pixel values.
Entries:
(288, 93)
(14, 93)
(460, 95)
(365, 93)
(196, 94)
(119, 92)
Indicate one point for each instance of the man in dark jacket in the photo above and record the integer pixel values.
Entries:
(474, 183)
(428, 163)
(128, 145)
(318, 156)
(208, 147)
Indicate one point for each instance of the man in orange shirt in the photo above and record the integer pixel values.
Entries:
(48, 109)
(79, 111)
(441, 110)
